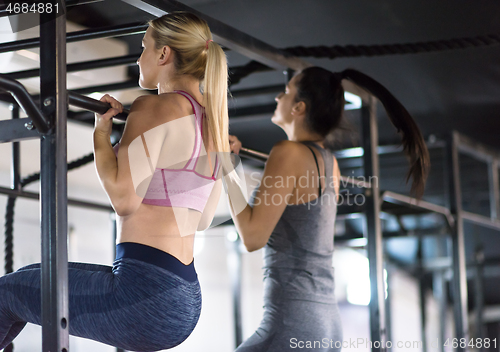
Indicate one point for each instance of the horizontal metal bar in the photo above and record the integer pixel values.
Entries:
(475, 149)
(252, 110)
(87, 90)
(69, 3)
(228, 36)
(32, 195)
(253, 154)
(133, 83)
(385, 234)
(86, 34)
(16, 131)
(81, 66)
(25, 101)
(249, 92)
(481, 220)
(357, 152)
(400, 199)
(93, 105)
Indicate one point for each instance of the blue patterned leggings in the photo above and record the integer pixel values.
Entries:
(138, 304)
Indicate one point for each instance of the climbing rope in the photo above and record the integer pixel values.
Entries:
(9, 212)
(338, 51)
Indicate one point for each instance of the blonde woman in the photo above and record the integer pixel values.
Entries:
(164, 184)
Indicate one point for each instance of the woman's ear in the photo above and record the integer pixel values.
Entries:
(299, 108)
(166, 56)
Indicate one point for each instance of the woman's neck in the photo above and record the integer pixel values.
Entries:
(301, 135)
(185, 83)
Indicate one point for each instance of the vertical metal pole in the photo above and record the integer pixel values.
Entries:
(440, 293)
(373, 227)
(234, 268)
(479, 294)
(15, 180)
(388, 307)
(114, 232)
(458, 247)
(421, 287)
(494, 189)
(53, 182)
(15, 175)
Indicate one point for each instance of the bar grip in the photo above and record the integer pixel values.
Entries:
(94, 105)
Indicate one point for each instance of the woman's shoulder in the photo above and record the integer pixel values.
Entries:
(151, 111)
(169, 106)
(290, 148)
(288, 151)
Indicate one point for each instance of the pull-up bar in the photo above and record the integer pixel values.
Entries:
(100, 107)
(87, 103)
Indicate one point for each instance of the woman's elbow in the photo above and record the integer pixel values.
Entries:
(252, 243)
(252, 248)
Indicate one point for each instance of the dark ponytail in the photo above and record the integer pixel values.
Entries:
(323, 94)
(412, 140)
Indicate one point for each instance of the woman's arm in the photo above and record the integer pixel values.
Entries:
(256, 224)
(125, 177)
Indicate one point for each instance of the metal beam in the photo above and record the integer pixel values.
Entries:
(251, 110)
(86, 34)
(373, 229)
(474, 149)
(53, 184)
(24, 99)
(74, 202)
(403, 200)
(16, 154)
(460, 310)
(81, 66)
(422, 294)
(494, 189)
(481, 220)
(439, 289)
(234, 259)
(250, 92)
(16, 130)
(227, 36)
(130, 84)
(479, 295)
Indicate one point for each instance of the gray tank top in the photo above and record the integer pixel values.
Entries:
(298, 255)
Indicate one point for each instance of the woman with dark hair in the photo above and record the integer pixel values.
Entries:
(292, 213)
(162, 181)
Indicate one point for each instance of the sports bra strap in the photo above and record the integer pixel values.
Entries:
(317, 165)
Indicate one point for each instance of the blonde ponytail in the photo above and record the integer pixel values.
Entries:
(199, 56)
(215, 102)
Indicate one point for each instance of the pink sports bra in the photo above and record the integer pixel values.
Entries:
(184, 187)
